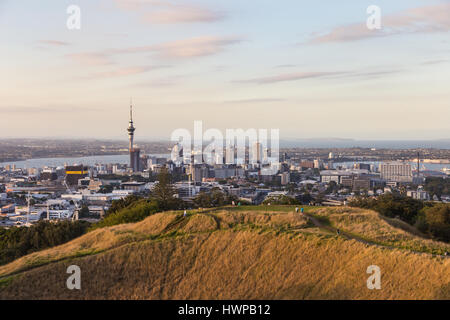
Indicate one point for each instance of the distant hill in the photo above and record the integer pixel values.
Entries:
(353, 143)
(239, 253)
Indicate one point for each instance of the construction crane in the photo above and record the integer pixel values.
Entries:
(75, 215)
(29, 209)
(48, 210)
(69, 191)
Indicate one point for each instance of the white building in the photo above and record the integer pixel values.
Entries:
(327, 176)
(418, 194)
(396, 171)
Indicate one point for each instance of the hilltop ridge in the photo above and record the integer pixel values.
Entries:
(238, 253)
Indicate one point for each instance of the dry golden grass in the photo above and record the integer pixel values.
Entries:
(199, 223)
(95, 241)
(202, 261)
(266, 219)
(370, 225)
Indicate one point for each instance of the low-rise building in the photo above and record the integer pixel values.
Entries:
(418, 194)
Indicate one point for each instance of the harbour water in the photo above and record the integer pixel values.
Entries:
(90, 161)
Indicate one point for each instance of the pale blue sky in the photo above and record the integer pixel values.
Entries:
(309, 68)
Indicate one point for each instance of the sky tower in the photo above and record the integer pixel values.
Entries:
(134, 152)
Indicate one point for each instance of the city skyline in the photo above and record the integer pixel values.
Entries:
(230, 158)
(312, 70)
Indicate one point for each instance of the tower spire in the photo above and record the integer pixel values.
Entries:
(131, 110)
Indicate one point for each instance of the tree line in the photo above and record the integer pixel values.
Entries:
(16, 242)
(430, 218)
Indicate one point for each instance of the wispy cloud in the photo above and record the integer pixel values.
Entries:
(347, 33)
(291, 77)
(373, 74)
(180, 49)
(426, 19)
(168, 12)
(195, 47)
(125, 71)
(91, 58)
(322, 75)
(182, 14)
(54, 42)
(431, 62)
(186, 48)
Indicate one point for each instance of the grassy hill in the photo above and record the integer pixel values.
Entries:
(239, 253)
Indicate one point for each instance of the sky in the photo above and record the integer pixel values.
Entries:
(309, 68)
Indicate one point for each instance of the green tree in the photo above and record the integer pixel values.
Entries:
(437, 186)
(291, 187)
(106, 189)
(134, 213)
(18, 241)
(437, 220)
(118, 205)
(391, 205)
(332, 187)
(214, 198)
(164, 191)
(280, 200)
(84, 211)
(202, 200)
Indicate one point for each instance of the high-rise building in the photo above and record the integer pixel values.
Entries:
(135, 153)
(396, 171)
(199, 171)
(266, 155)
(256, 156)
(135, 161)
(230, 154)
